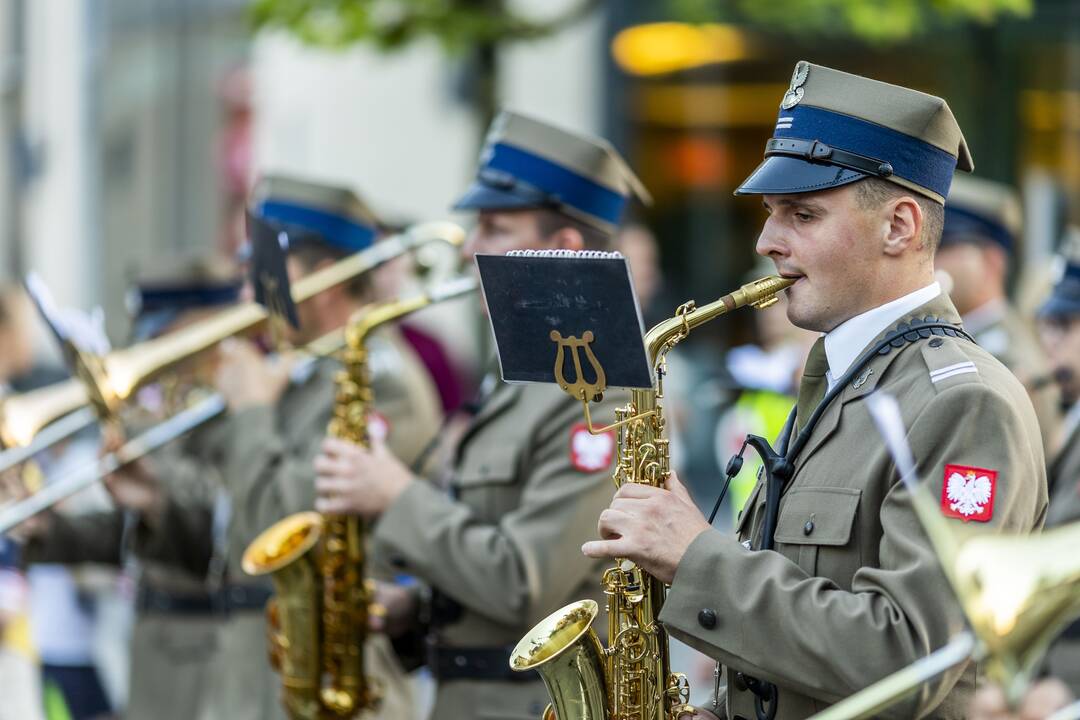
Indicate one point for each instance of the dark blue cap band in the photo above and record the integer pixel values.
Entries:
(560, 183)
(176, 297)
(961, 223)
(912, 159)
(334, 230)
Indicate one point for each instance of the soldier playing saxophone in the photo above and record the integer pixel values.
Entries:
(831, 583)
(497, 541)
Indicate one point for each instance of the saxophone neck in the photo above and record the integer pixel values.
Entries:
(760, 294)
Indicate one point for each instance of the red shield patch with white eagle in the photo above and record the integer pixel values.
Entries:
(968, 493)
(591, 453)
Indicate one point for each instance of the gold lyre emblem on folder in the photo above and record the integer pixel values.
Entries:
(580, 388)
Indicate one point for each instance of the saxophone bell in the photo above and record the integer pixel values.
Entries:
(630, 679)
(566, 651)
(318, 619)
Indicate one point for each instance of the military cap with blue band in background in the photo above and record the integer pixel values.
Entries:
(835, 128)
(179, 285)
(1064, 300)
(332, 214)
(979, 210)
(529, 164)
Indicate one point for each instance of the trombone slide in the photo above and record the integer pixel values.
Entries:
(132, 450)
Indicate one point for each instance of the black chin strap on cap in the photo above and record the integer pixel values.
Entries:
(818, 152)
(779, 467)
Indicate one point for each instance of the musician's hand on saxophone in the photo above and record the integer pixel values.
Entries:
(649, 525)
(1041, 701)
(352, 480)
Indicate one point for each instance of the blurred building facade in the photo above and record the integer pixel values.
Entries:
(111, 119)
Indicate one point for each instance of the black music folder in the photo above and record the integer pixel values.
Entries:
(532, 296)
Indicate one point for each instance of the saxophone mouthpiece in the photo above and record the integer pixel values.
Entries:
(761, 293)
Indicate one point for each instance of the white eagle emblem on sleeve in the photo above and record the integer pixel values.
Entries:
(590, 453)
(968, 494)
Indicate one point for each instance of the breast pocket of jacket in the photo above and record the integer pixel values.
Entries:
(743, 525)
(815, 528)
(490, 482)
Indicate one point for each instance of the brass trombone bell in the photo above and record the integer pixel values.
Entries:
(1018, 594)
(24, 415)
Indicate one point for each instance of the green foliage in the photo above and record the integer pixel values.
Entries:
(392, 24)
(875, 21)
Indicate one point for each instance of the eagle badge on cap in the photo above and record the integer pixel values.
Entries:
(794, 92)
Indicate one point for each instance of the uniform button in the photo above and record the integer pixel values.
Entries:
(461, 661)
(707, 618)
(808, 527)
(935, 342)
(740, 682)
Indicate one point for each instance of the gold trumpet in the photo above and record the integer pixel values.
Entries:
(106, 382)
(631, 678)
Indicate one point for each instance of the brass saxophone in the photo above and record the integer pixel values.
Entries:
(631, 678)
(318, 619)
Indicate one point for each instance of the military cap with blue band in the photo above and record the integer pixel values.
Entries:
(979, 210)
(528, 164)
(835, 128)
(334, 215)
(179, 285)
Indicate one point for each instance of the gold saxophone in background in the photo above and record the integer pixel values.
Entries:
(631, 679)
(318, 619)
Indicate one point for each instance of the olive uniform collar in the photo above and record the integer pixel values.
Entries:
(938, 309)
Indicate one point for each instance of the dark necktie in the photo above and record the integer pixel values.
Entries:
(814, 383)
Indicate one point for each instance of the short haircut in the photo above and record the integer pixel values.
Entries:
(874, 192)
(552, 221)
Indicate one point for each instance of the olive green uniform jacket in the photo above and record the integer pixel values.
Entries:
(266, 464)
(853, 591)
(503, 538)
(1063, 659)
(171, 652)
(1004, 334)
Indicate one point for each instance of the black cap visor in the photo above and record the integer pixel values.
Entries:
(497, 190)
(785, 175)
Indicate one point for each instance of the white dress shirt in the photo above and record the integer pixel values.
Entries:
(845, 342)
